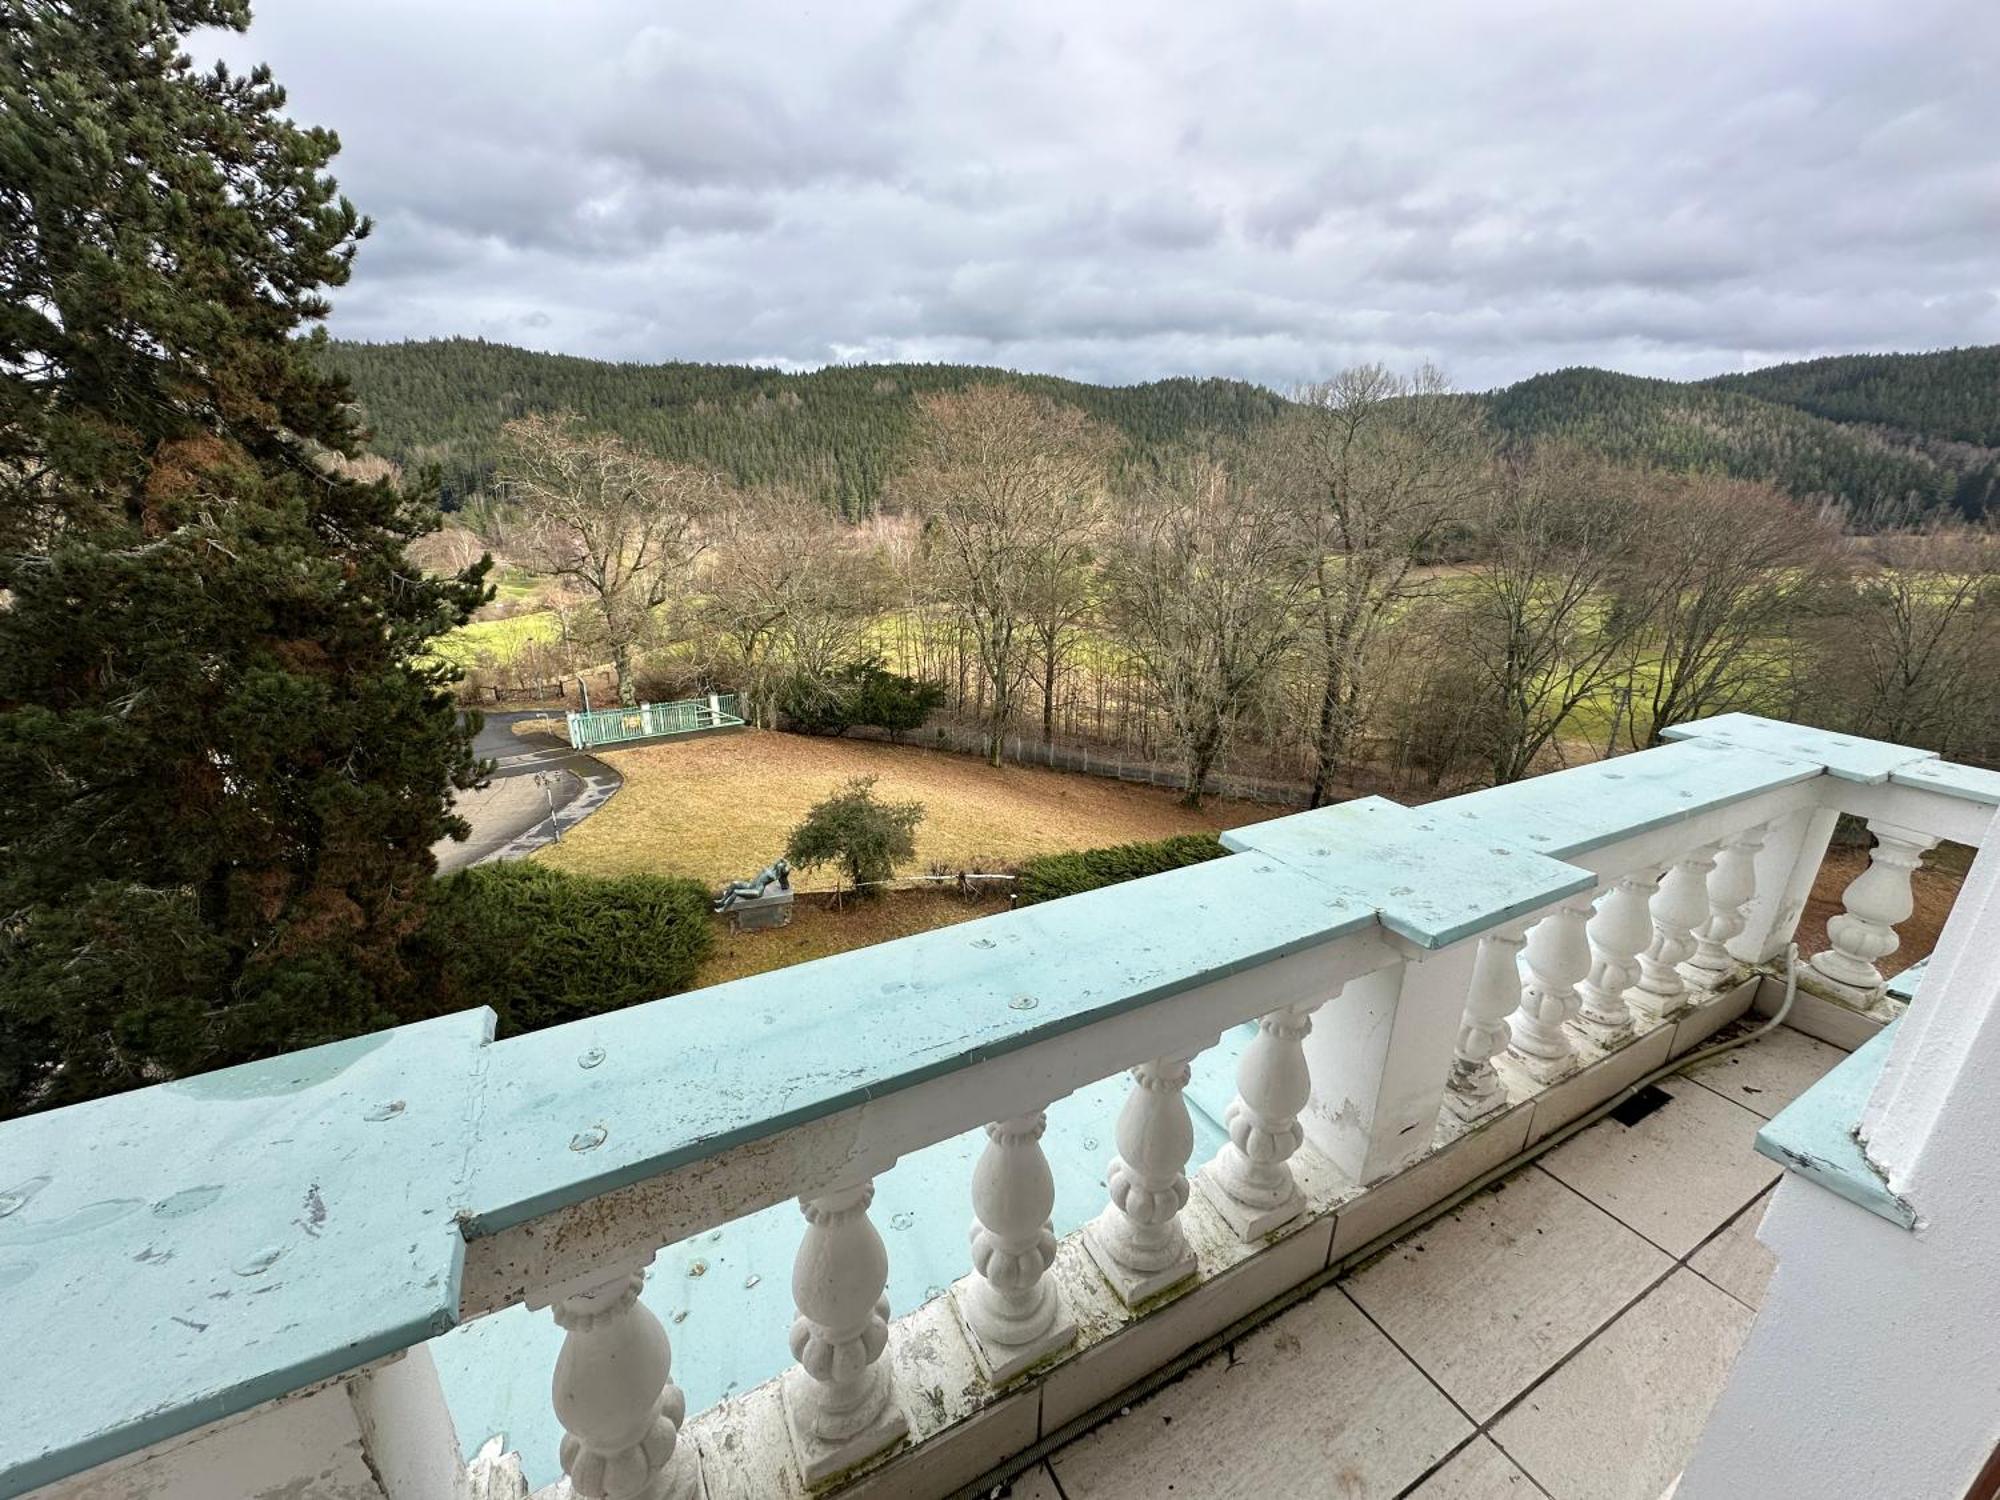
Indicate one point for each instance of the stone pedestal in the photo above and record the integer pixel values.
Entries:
(756, 913)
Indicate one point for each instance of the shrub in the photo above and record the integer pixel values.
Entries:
(1049, 876)
(541, 946)
(854, 829)
(862, 693)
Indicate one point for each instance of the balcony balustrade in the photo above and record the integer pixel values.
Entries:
(229, 1284)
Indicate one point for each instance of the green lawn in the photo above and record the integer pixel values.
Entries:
(497, 641)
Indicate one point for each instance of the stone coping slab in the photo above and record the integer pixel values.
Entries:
(179, 1254)
(1569, 812)
(1433, 880)
(1814, 1134)
(1970, 783)
(1846, 756)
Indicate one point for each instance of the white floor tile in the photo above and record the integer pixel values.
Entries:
(1770, 1073)
(1315, 1405)
(1618, 1421)
(1478, 1471)
(1678, 1175)
(1735, 1261)
(1489, 1297)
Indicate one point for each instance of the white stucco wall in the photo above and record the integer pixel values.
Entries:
(1874, 1366)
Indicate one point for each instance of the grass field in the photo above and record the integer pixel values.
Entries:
(722, 807)
(500, 641)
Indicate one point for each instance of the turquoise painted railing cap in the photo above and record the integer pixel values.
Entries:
(1567, 813)
(1969, 783)
(581, 1109)
(1433, 878)
(178, 1254)
(1847, 756)
(1814, 1134)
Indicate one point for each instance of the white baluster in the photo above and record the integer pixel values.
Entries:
(840, 1404)
(1010, 1306)
(1876, 901)
(1137, 1241)
(1678, 909)
(1475, 1089)
(1618, 933)
(1557, 958)
(1250, 1180)
(614, 1395)
(1731, 887)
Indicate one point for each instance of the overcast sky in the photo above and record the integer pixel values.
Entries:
(1123, 189)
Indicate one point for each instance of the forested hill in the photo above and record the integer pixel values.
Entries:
(1952, 396)
(837, 430)
(1892, 437)
(1884, 475)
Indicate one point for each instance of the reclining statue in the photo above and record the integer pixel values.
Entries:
(778, 874)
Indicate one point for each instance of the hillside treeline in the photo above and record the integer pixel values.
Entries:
(835, 433)
(1891, 439)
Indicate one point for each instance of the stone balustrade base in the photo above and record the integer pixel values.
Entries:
(1250, 1224)
(1000, 1363)
(821, 1462)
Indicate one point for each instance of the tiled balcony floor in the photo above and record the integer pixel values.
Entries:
(1562, 1334)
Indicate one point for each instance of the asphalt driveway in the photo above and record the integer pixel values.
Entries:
(539, 788)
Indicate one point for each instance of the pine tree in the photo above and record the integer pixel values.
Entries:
(223, 755)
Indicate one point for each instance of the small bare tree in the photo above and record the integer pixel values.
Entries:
(1011, 487)
(1060, 606)
(1205, 584)
(1550, 616)
(1732, 566)
(1914, 650)
(621, 525)
(1381, 466)
(789, 589)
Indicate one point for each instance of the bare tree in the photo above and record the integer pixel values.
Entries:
(1730, 566)
(1550, 616)
(1913, 653)
(1206, 583)
(1382, 466)
(621, 525)
(1011, 486)
(789, 590)
(1060, 605)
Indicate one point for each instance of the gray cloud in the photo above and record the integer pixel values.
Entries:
(1129, 190)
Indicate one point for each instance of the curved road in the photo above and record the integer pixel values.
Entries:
(532, 774)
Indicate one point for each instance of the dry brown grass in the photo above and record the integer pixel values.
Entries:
(722, 807)
(817, 930)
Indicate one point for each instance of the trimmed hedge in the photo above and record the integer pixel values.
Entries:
(1052, 875)
(861, 694)
(542, 947)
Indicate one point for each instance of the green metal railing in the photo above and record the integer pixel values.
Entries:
(653, 721)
